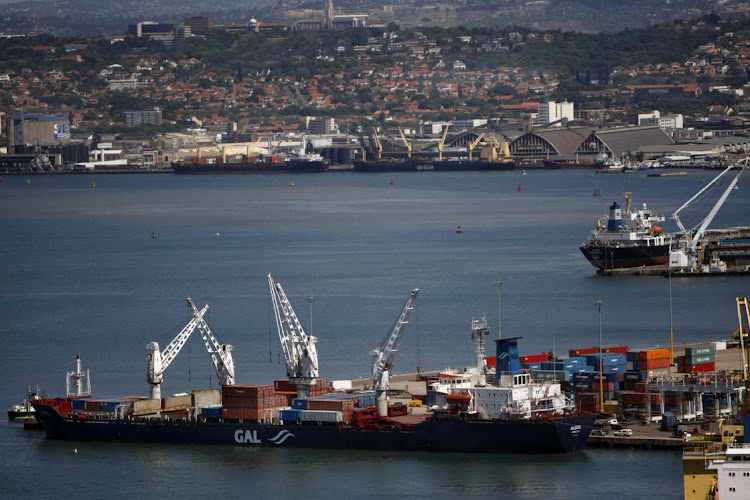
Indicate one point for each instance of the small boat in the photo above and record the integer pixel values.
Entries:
(93, 184)
(459, 230)
(291, 184)
(25, 409)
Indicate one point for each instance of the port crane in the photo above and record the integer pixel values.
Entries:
(688, 256)
(384, 355)
(300, 353)
(743, 334)
(221, 354)
(378, 145)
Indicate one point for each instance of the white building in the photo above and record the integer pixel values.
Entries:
(459, 125)
(553, 113)
(667, 122)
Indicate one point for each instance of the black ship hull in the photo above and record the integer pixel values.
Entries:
(555, 435)
(281, 167)
(408, 165)
(606, 257)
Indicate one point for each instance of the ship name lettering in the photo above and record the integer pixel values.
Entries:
(246, 436)
(575, 428)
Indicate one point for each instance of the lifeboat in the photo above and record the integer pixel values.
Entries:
(459, 399)
(657, 229)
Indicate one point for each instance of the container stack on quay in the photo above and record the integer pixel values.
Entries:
(697, 359)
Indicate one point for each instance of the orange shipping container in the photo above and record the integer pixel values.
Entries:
(654, 354)
(652, 364)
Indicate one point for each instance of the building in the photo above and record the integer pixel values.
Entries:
(667, 122)
(199, 23)
(320, 126)
(151, 29)
(459, 125)
(149, 117)
(555, 114)
(37, 128)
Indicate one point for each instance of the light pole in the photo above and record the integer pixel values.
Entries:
(599, 304)
(311, 300)
(671, 330)
(498, 284)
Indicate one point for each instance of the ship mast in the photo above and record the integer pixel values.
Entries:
(480, 328)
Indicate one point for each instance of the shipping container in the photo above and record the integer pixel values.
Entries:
(210, 397)
(291, 415)
(607, 359)
(707, 367)
(561, 376)
(654, 354)
(620, 349)
(173, 403)
(212, 412)
(691, 352)
(299, 403)
(535, 358)
(582, 352)
(320, 416)
(700, 359)
(634, 376)
(146, 407)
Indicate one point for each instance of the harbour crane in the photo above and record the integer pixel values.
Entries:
(406, 142)
(221, 354)
(300, 353)
(743, 334)
(473, 144)
(159, 361)
(442, 142)
(689, 256)
(384, 355)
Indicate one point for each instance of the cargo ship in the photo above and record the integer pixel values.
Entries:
(637, 241)
(419, 165)
(251, 165)
(517, 415)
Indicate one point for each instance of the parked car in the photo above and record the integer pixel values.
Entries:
(624, 432)
(612, 421)
(599, 432)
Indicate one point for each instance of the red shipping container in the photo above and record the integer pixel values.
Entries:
(640, 387)
(621, 349)
(535, 358)
(705, 367)
(284, 385)
(581, 352)
(243, 413)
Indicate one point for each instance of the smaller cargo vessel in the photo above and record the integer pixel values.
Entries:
(632, 239)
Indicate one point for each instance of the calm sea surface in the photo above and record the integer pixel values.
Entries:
(82, 274)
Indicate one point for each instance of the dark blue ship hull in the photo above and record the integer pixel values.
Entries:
(556, 435)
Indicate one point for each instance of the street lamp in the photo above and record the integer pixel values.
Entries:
(311, 300)
(671, 330)
(599, 304)
(498, 284)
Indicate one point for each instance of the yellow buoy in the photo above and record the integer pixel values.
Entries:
(291, 184)
(93, 184)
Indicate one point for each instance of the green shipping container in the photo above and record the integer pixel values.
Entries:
(700, 360)
(691, 352)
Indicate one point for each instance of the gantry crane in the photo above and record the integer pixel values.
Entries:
(692, 238)
(473, 144)
(384, 355)
(300, 353)
(406, 142)
(221, 354)
(159, 361)
(442, 142)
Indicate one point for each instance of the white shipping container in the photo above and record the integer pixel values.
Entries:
(177, 402)
(320, 416)
(341, 385)
(202, 399)
(146, 406)
(720, 345)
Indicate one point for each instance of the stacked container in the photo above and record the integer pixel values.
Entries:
(697, 359)
(252, 402)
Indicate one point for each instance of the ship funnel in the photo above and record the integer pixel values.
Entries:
(508, 362)
(615, 217)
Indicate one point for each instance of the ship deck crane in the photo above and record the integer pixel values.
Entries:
(221, 354)
(384, 355)
(406, 142)
(441, 143)
(300, 353)
(159, 361)
(692, 239)
(378, 145)
(473, 144)
(743, 334)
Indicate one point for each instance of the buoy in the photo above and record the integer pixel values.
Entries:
(28, 181)
(392, 183)
(153, 235)
(519, 187)
(524, 172)
(458, 230)
(596, 193)
(291, 184)
(2, 179)
(93, 184)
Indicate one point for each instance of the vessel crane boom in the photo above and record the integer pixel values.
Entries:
(691, 241)
(300, 353)
(159, 361)
(384, 355)
(221, 354)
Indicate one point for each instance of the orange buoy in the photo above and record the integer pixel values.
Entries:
(596, 193)
(519, 187)
(392, 183)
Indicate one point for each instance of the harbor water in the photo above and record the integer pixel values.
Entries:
(102, 271)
